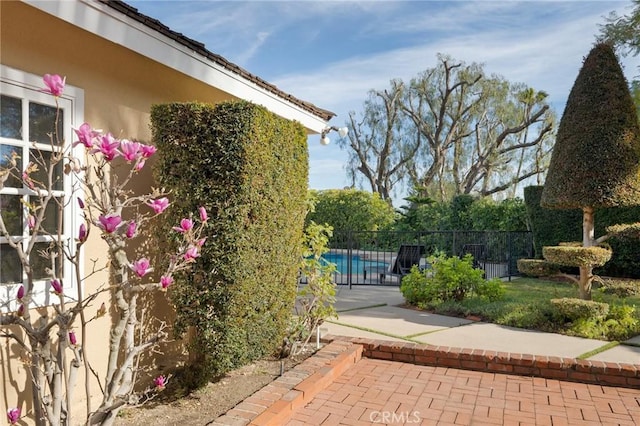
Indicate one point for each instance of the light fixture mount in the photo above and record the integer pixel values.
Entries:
(324, 139)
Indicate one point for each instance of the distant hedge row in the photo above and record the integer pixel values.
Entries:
(552, 226)
(249, 168)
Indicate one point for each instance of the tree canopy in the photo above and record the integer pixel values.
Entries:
(451, 130)
(623, 31)
(350, 209)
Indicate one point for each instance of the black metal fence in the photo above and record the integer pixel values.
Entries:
(382, 257)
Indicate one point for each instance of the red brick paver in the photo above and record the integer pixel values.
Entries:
(375, 391)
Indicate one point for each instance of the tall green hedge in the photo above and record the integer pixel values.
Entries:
(249, 168)
(551, 226)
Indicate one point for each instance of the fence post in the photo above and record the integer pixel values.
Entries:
(349, 257)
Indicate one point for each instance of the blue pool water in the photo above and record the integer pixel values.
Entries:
(358, 265)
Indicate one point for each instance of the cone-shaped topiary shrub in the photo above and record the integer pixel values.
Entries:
(596, 159)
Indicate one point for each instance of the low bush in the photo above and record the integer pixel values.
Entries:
(570, 310)
(620, 288)
(536, 267)
(449, 279)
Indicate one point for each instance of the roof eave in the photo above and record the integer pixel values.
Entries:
(123, 25)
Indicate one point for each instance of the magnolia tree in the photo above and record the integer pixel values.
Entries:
(54, 340)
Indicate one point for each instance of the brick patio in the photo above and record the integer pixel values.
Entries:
(338, 386)
(376, 391)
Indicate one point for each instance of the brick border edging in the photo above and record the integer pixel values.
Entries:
(274, 403)
(548, 367)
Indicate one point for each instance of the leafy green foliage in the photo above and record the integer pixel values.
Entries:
(551, 226)
(527, 304)
(351, 209)
(249, 168)
(621, 288)
(464, 213)
(570, 309)
(577, 256)
(315, 299)
(596, 158)
(536, 267)
(448, 279)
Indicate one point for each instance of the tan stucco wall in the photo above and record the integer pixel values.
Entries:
(119, 87)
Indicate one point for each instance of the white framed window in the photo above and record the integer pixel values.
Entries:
(27, 118)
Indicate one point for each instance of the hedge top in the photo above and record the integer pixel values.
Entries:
(596, 158)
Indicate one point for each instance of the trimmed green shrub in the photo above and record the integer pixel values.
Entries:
(536, 267)
(448, 279)
(249, 168)
(577, 256)
(596, 158)
(551, 226)
(570, 309)
(621, 288)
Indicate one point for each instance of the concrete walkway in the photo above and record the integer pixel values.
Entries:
(373, 312)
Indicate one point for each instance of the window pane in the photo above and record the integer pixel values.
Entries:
(51, 216)
(42, 258)
(42, 120)
(11, 211)
(10, 267)
(41, 175)
(5, 158)
(10, 117)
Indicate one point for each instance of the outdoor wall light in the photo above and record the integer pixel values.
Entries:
(324, 139)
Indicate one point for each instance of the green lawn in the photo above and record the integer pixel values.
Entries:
(526, 304)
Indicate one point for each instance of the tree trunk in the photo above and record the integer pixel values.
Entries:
(586, 272)
(586, 279)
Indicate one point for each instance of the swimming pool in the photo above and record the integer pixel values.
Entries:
(358, 265)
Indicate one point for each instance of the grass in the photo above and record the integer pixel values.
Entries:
(526, 304)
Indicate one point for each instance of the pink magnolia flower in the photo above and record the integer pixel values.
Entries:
(141, 267)
(80, 203)
(13, 414)
(72, 338)
(82, 232)
(140, 165)
(147, 150)
(85, 135)
(166, 281)
(27, 179)
(20, 294)
(54, 83)
(203, 214)
(201, 241)
(160, 382)
(109, 223)
(191, 254)
(185, 226)
(130, 150)
(57, 286)
(131, 229)
(159, 205)
(108, 146)
(31, 221)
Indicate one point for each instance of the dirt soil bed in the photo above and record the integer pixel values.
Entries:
(203, 406)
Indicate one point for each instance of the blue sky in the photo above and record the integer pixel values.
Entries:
(331, 53)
